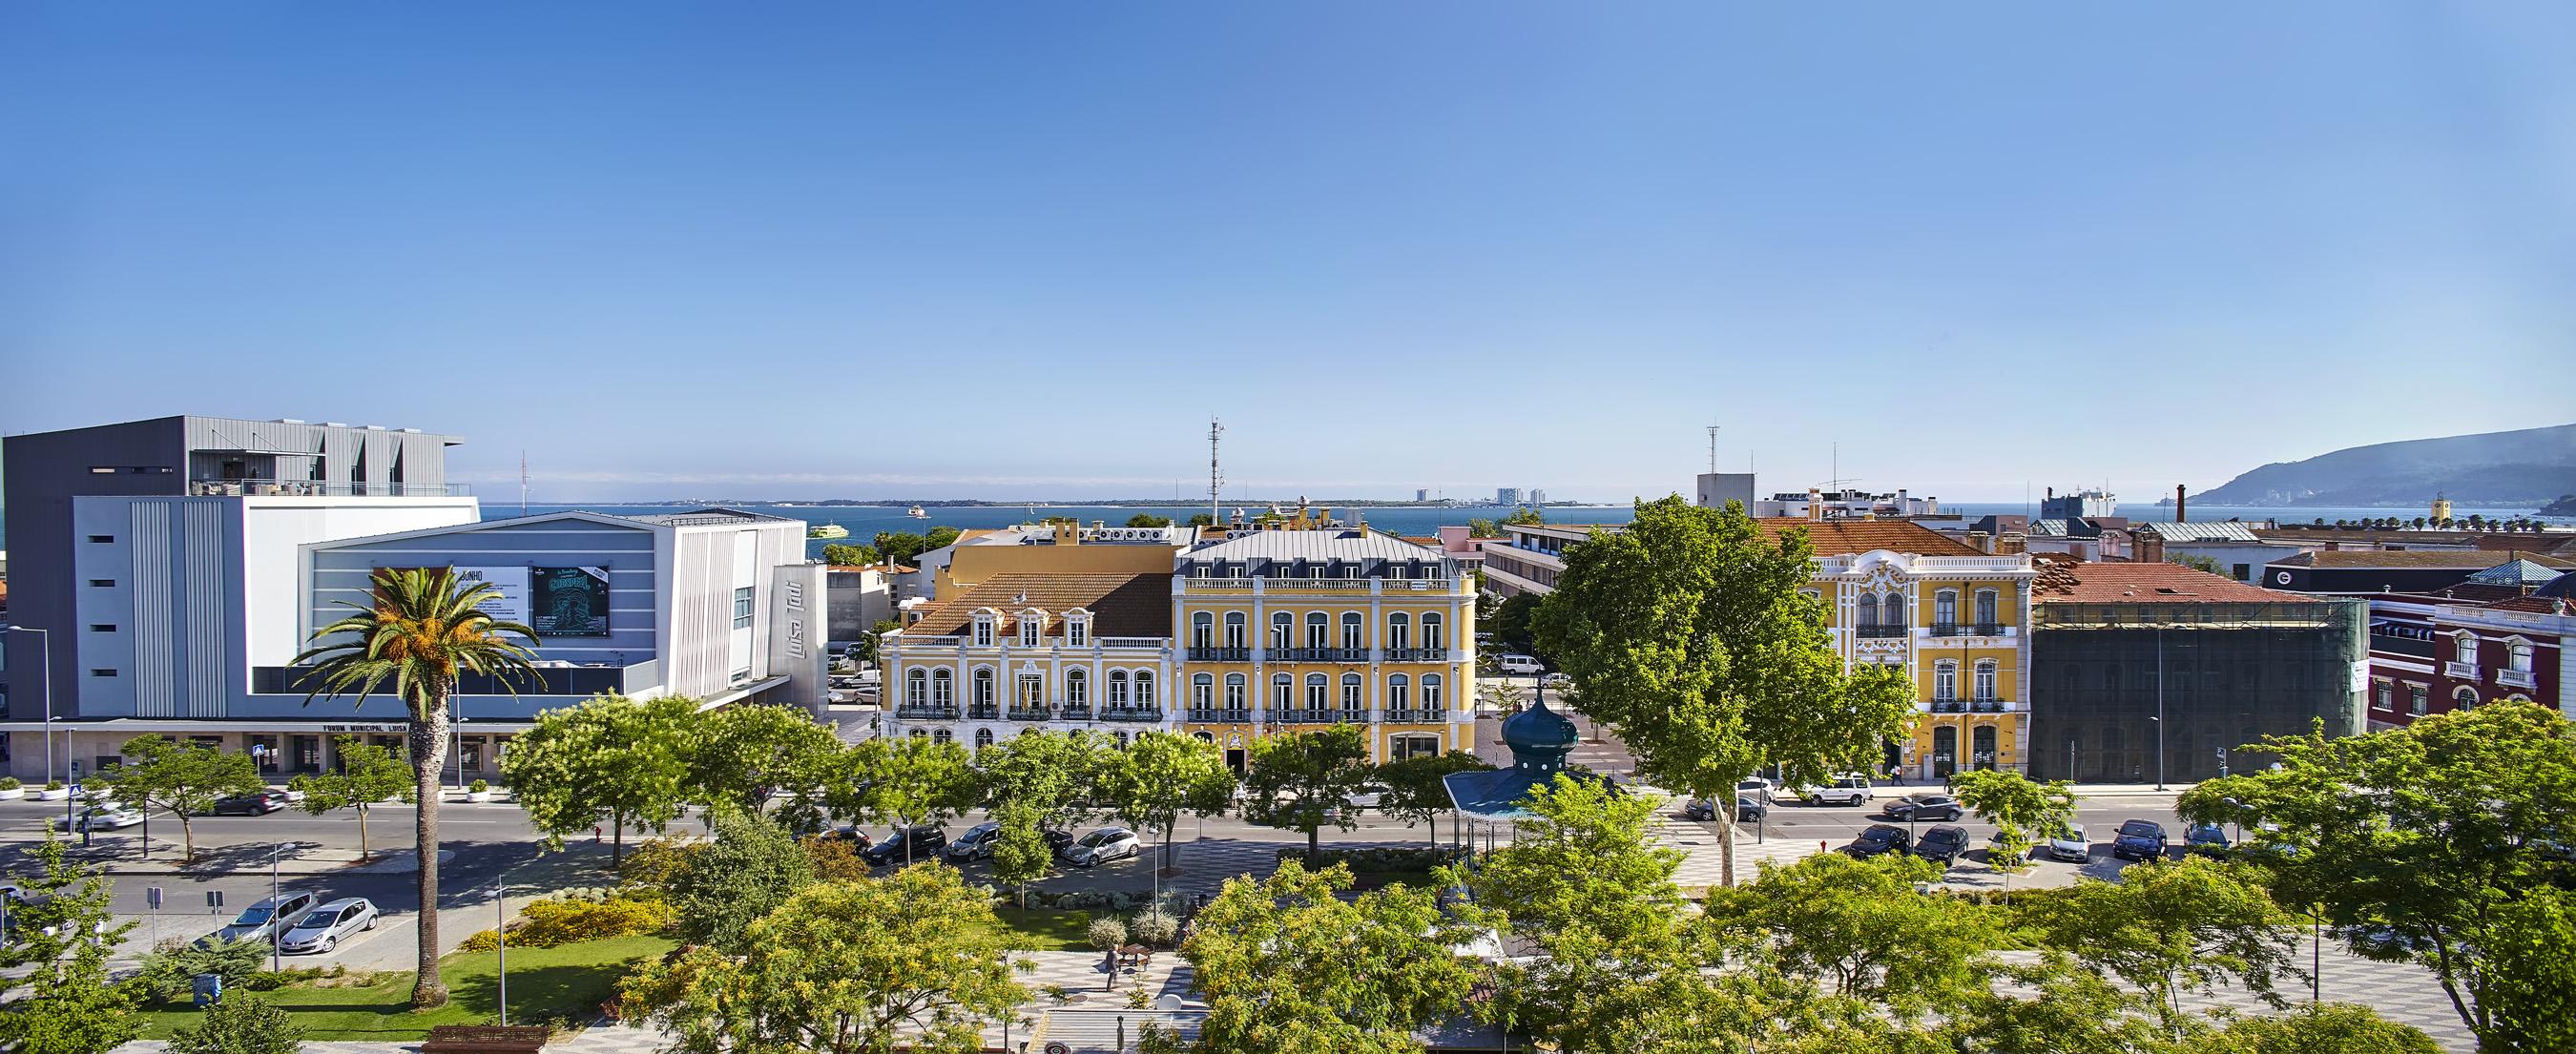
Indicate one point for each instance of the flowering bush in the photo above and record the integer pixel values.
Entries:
(547, 923)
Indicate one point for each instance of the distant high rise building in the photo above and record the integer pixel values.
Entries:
(1537, 496)
(1422, 494)
(1507, 495)
(1718, 488)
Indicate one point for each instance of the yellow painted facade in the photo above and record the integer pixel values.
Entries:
(1957, 626)
(1262, 655)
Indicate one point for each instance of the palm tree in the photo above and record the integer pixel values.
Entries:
(422, 631)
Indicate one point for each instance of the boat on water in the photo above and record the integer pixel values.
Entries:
(827, 530)
(916, 513)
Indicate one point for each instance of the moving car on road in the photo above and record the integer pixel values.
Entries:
(260, 804)
(1517, 665)
(1101, 846)
(1879, 838)
(1929, 805)
(1747, 808)
(918, 843)
(976, 844)
(2139, 840)
(1851, 788)
(260, 921)
(100, 818)
(1943, 843)
(324, 927)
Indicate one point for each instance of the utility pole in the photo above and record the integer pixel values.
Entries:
(523, 482)
(1712, 449)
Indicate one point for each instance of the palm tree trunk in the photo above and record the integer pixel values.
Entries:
(428, 756)
(362, 833)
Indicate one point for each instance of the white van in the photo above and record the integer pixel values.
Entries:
(1851, 788)
(1517, 665)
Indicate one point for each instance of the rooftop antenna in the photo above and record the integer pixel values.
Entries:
(523, 482)
(1216, 480)
(1712, 450)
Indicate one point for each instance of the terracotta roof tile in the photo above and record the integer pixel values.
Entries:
(2063, 578)
(1846, 537)
(1136, 605)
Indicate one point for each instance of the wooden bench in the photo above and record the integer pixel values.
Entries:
(486, 1039)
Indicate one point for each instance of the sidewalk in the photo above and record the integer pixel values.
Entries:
(298, 858)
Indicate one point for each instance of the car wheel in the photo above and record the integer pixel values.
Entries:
(371, 923)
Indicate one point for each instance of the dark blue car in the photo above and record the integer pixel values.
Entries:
(2139, 840)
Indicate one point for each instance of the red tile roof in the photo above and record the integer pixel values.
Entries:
(1136, 605)
(2062, 577)
(1847, 537)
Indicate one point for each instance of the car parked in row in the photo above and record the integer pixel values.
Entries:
(1747, 809)
(265, 919)
(976, 844)
(1756, 788)
(1102, 846)
(1929, 805)
(324, 927)
(1879, 839)
(2139, 840)
(2065, 843)
(915, 844)
(259, 804)
(2208, 839)
(1943, 843)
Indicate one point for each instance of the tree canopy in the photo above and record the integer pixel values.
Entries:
(368, 775)
(845, 555)
(1859, 929)
(1302, 781)
(1413, 789)
(1162, 775)
(610, 759)
(60, 935)
(184, 778)
(739, 756)
(1054, 773)
(2167, 928)
(723, 886)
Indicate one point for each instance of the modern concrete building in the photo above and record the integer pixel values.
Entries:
(1718, 488)
(1507, 496)
(2088, 504)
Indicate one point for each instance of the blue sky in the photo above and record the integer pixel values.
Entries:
(811, 250)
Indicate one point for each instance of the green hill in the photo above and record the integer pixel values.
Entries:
(2531, 466)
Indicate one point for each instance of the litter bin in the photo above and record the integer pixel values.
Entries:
(209, 989)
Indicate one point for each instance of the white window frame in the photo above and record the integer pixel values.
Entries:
(1283, 693)
(983, 629)
(1117, 695)
(1985, 686)
(1431, 684)
(745, 601)
(1354, 631)
(1945, 681)
(1434, 631)
(1145, 688)
(1077, 687)
(1236, 690)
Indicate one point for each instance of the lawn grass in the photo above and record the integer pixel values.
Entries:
(1043, 929)
(1364, 881)
(566, 982)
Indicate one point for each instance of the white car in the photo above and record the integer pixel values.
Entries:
(101, 818)
(2067, 843)
(324, 927)
(1101, 846)
(1756, 788)
(1558, 681)
(1516, 665)
(1851, 788)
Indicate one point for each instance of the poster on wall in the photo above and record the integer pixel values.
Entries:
(510, 604)
(569, 601)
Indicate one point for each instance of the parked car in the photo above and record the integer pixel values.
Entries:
(324, 927)
(2067, 843)
(1102, 846)
(1851, 788)
(976, 844)
(260, 921)
(260, 804)
(1930, 805)
(1756, 788)
(1518, 665)
(919, 842)
(1558, 681)
(1879, 838)
(2205, 838)
(2138, 840)
(100, 818)
(1056, 840)
(1943, 843)
(1746, 808)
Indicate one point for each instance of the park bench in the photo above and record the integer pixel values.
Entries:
(486, 1039)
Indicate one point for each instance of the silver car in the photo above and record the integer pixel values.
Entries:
(261, 921)
(322, 929)
(1100, 847)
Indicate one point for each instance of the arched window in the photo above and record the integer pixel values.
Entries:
(1204, 737)
(1282, 626)
(941, 735)
(1283, 693)
(1234, 630)
(1945, 608)
(1945, 681)
(2519, 660)
(1316, 691)
(1031, 625)
(1117, 687)
(1319, 630)
(1354, 631)
(1431, 694)
(1202, 629)
(916, 688)
(918, 734)
(1202, 691)
(1399, 692)
(1119, 738)
(1399, 631)
(983, 629)
(1891, 611)
(1032, 693)
(1234, 687)
(983, 738)
(1986, 680)
(1077, 687)
(943, 689)
(1351, 694)
(2466, 698)
(1077, 629)
(2467, 644)
(1431, 638)
(1865, 614)
(1145, 688)
(983, 688)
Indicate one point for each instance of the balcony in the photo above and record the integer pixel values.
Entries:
(2517, 679)
(1990, 629)
(1302, 717)
(983, 713)
(1150, 643)
(2466, 671)
(1220, 655)
(1029, 713)
(1417, 655)
(1075, 712)
(1352, 717)
(1220, 716)
(1417, 717)
(1128, 713)
(925, 712)
(1879, 630)
(1945, 629)
(314, 488)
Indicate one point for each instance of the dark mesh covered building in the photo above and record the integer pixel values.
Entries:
(2230, 663)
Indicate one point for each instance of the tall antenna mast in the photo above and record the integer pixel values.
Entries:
(1216, 480)
(1712, 450)
(523, 482)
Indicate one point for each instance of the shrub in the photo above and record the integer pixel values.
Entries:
(1382, 859)
(650, 865)
(10, 783)
(835, 859)
(169, 971)
(479, 786)
(547, 923)
(53, 785)
(1107, 932)
(241, 1023)
(1154, 928)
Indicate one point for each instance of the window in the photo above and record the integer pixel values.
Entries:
(1416, 746)
(916, 688)
(1282, 628)
(983, 738)
(1892, 610)
(1117, 687)
(1077, 687)
(1316, 691)
(2383, 696)
(1145, 688)
(983, 688)
(102, 539)
(2468, 649)
(1319, 630)
(102, 673)
(1865, 613)
(1351, 693)
(1234, 690)
(1283, 692)
(1077, 630)
(1031, 625)
(1431, 693)
(1431, 639)
(2465, 698)
(1985, 680)
(2244, 572)
(101, 627)
(983, 629)
(2519, 660)
(1202, 630)
(1399, 692)
(742, 608)
(2416, 697)
(919, 734)
(102, 470)
(1945, 608)
(1234, 629)
(941, 736)
(1399, 629)
(103, 583)
(1032, 692)
(1986, 607)
(943, 688)
(1945, 681)
(1353, 628)
(1119, 738)
(1202, 691)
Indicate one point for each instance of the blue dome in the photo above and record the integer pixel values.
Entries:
(1539, 736)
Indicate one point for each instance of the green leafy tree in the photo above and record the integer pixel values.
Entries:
(904, 782)
(1147, 519)
(910, 962)
(1020, 854)
(1301, 781)
(1287, 966)
(874, 638)
(2196, 562)
(368, 775)
(167, 972)
(1053, 773)
(740, 756)
(184, 778)
(724, 886)
(845, 555)
(421, 630)
(905, 547)
(1688, 634)
(240, 1023)
(1484, 527)
(1202, 520)
(2022, 810)
(1511, 623)
(1858, 929)
(2169, 928)
(1413, 786)
(63, 1000)
(2531, 987)
(2416, 843)
(2067, 1010)
(1525, 516)
(1161, 776)
(614, 760)
(2328, 1028)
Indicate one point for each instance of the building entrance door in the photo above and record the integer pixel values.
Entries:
(1945, 751)
(1981, 745)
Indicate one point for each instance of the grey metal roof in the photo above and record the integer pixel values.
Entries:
(2516, 572)
(1340, 543)
(712, 515)
(2047, 529)
(2215, 531)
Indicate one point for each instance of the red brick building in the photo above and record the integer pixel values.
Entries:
(2507, 633)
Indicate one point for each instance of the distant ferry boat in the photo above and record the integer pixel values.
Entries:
(916, 513)
(827, 530)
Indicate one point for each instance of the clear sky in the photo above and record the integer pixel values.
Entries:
(1025, 250)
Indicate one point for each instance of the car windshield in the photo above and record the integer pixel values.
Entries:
(2069, 832)
(1097, 839)
(2140, 827)
(251, 917)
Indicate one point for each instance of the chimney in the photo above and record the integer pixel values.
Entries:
(2178, 505)
(1815, 505)
(2150, 547)
(1981, 542)
(2011, 543)
(2048, 492)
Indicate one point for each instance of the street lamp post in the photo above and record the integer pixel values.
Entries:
(501, 941)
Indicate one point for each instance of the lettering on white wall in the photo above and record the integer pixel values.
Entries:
(796, 637)
(795, 596)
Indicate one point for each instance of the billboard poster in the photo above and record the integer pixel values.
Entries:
(569, 601)
(511, 603)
